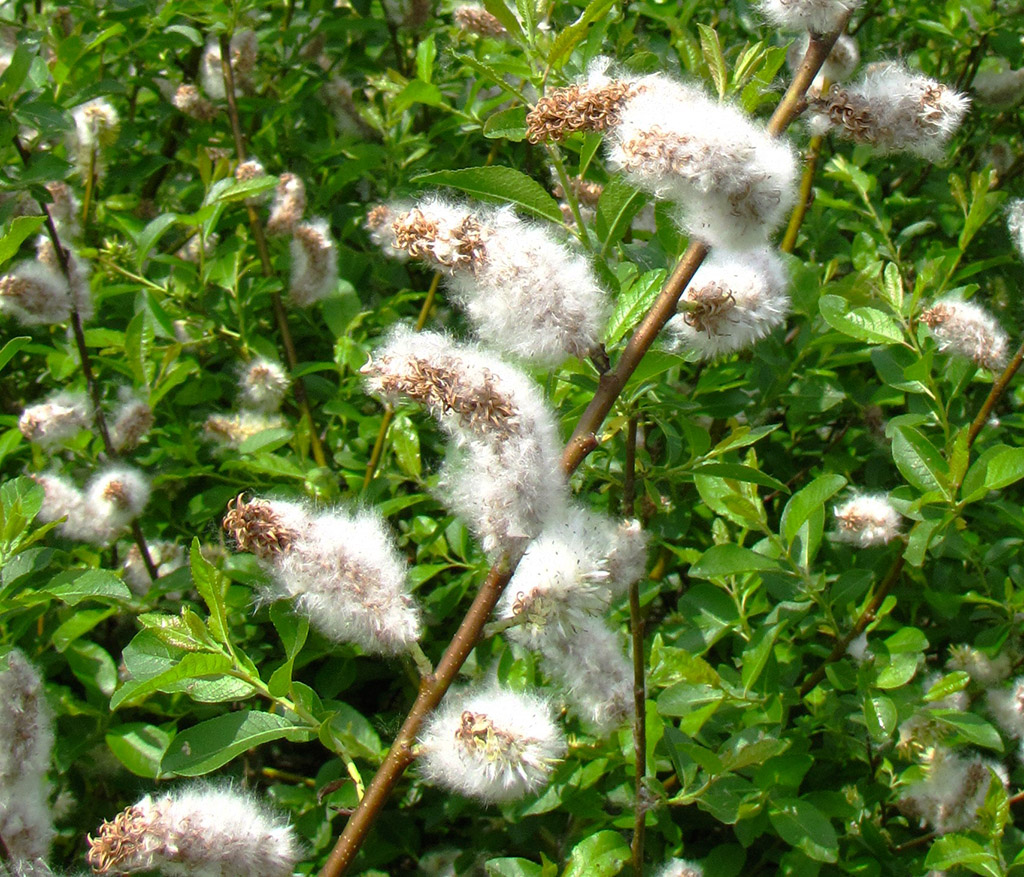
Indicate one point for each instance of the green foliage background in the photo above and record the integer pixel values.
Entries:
(740, 462)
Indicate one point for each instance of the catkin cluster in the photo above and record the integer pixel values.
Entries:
(262, 384)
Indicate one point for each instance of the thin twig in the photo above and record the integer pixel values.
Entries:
(866, 617)
(636, 629)
(994, 395)
(280, 315)
(99, 419)
(389, 412)
(582, 442)
(806, 195)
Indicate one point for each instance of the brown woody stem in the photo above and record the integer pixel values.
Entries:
(805, 197)
(582, 442)
(280, 315)
(994, 395)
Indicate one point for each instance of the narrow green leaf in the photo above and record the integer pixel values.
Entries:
(919, 461)
(213, 743)
(575, 33)
(633, 304)
(150, 235)
(738, 472)
(192, 666)
(212, 586)
(805, 827)
(728, 560)
(507, 124)
(501, 184)
(954, 850)
(712, 50)
(972, 727)
(139, 747)
(807, 500)
(864, 324)
(618, 205)
(11, 348)
(19, 229)
(507, 17)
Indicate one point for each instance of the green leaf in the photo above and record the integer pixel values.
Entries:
(19, 229)
(973, 728)
(949, 684)
(91, 584)
(633, 304)
(418, 92)
(212, 586)
(618, 204)
(150, 235)
(500, 11)
(138, 343)
(139, 747)
(405, 439)
(807, 500)
(501, 184)
(711, 47)
(267, 440)
(571, 36)
(507, 124)
(919, 461)
(1005, 468)
(864, 324)
(729, 560)
(213, 743)
(351, 732)
(194, 665)
(802, 825)
(601, 855)
(738, 472)
(11, 348)
(755, 655)
(186, 631)
(512, 868)
(952, 850)
(880, 717)
(426, 54)
(18, 65)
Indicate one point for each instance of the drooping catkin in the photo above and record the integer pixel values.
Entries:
(342, 570)
(526, 293)
(96, 127)
(113, 498)
(967, 329)
(733, 182)
(57, 419)
(196, 831)
(288, 206)
(952, 791)
(26, 824)
(34, 293)
(734, 300)
(314, 272)
(131, 421)
(490, 743)
(892, 109)
(504, 475)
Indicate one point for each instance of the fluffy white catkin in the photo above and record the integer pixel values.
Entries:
(680, 868)
(26, 742)
(490, 743)
(967, 329)
(733, 182)
(526, 293)
(314, 271)
(504, 473)
(59, 418)
(734, 300)
(343, 570)
(816, 16)
(894, 110)
(952, 791)
(867, 519)
(196, 831)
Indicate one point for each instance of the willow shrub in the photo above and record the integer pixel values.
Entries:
(802, 690)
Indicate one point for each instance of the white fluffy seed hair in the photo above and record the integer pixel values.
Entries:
(117, 494)
(35, 294)
(572, 570)
(96, 126)
(816, 16)
(526, 293)
(1007, 707)
(314, 271)
(52, 422)
(840, 64)
(999, 88)
(26, 824)
(979, 666)
(262, 384)
(62, 499)
(131, 421)
(229, 431)
(197, 831)
(503, 475)
(680, 868)
(734, 300)
(867, 519)
(1015, 224)
(952, 791)
(490, 743)
(733, 182)
(594, 671)
(894, 110)
(967, 329)
(345, 574)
